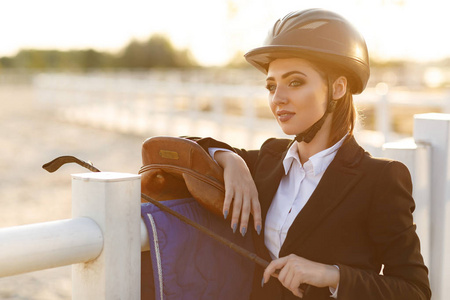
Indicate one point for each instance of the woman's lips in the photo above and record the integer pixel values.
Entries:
(284, 115)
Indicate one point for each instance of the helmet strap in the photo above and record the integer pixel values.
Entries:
(307, 135)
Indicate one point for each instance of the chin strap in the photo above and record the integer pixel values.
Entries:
(307, 135)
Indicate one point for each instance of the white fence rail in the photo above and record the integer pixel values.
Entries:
(148, 105)
(53, 244)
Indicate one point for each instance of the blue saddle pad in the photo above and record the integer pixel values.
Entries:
(189, 265)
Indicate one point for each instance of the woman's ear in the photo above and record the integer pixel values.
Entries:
(339, 87)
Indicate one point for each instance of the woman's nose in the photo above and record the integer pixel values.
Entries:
(279, 96)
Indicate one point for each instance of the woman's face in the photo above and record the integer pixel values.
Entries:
(297, 94)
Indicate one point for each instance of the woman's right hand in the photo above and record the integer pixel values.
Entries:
(240, 191)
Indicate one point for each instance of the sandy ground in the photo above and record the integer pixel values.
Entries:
(30, 137)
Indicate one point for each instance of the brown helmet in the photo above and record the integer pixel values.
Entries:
(318, 35)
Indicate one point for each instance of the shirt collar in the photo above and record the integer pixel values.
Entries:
(291, 156)
(319, 161)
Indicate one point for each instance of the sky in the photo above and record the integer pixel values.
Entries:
(214, 30)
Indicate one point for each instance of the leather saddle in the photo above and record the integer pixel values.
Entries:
(175, 168)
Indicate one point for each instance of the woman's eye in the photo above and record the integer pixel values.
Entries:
(296, 83)
(271, 87)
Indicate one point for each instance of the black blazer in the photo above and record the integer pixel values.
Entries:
(358, 218)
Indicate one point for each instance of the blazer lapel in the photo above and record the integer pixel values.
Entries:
(339, 178)
(269, 179)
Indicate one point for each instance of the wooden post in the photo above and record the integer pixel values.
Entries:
(435, 130)
(112, 200)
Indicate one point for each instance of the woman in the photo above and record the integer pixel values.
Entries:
(328, 215)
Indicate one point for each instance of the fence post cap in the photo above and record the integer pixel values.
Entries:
(433, 116)
(405, 144)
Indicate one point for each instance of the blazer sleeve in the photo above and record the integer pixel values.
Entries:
(397, 247)
(250, 156)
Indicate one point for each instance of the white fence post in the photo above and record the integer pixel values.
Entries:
(416, 156)
(435, 130)
(113, 201)
(383, 115)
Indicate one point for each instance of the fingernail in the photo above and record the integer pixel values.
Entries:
(225, 214)
(258, 229)
(262, 282)
(234, 228)
(243, 231)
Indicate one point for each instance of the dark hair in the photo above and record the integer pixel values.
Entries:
(345, 114)
(344, 118)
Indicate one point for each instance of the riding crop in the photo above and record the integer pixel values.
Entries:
(59, 161)
(55, 164)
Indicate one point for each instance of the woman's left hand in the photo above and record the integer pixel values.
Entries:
(295, 270)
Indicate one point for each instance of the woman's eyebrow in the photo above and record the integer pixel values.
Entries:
(285, 75)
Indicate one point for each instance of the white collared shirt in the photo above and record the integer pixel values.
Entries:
(296, 186)
(294, 191)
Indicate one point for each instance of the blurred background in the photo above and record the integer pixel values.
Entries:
(94, 79)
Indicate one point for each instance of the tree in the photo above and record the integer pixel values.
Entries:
(156, 52)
